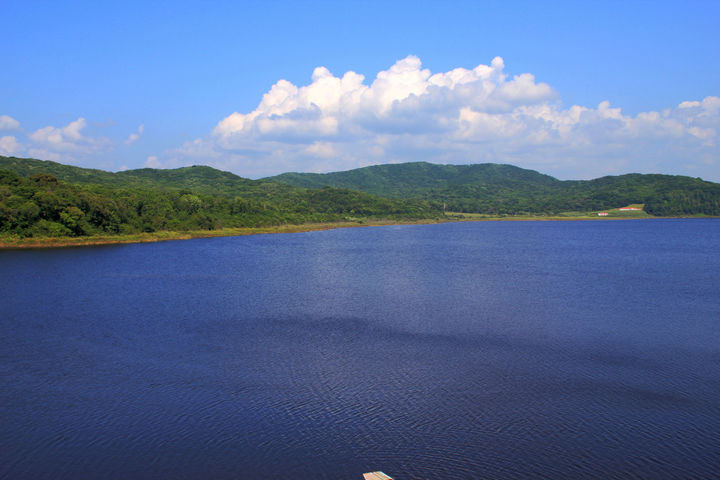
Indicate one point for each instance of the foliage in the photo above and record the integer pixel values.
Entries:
(43, 206)
(48, 199)
(506, 190)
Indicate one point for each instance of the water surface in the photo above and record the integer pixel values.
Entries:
(473, 350)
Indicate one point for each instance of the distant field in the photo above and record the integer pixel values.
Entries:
(612, 213)
(617, 212)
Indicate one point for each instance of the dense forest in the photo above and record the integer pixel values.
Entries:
(507, 190)
(41, 205)
(49, 199)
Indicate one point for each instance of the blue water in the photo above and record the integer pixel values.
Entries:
(484, 350)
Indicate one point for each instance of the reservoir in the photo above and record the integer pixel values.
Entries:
(484, 350)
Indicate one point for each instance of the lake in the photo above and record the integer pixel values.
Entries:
(488, 350)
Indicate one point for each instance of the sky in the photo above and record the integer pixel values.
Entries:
(576, 89)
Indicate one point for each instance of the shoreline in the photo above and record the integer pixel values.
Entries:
(163, 236)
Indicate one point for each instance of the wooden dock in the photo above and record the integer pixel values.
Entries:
(376, 476)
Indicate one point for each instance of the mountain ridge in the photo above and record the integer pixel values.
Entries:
(47, 199)
(506, 189)
(435, 176)
(488, 188)
(198, 176)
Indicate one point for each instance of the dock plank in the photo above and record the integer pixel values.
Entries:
(376, 476)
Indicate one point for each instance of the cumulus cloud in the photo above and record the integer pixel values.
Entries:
(322, 150)
(66, 140)
(135, 136)
(8, 123)
(10, 146)
(153, 162)
(62, 144)
(483, 114)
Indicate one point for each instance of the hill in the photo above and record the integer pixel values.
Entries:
(508, 190)
(197, 178)
(418, 178)
(73, 201)
(47, 199)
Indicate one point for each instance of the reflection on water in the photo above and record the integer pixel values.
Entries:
(483, 350)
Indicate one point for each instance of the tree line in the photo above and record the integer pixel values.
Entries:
(43, 206)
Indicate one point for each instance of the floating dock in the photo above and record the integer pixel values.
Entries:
(376, 476)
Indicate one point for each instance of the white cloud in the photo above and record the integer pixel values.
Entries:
(53, 141)
(45, 154)
(689, 104)
(482, 114)
(67, 144)
(153, 162)
(135, 136)
(322, 150)
(10, 146)
(8, 123)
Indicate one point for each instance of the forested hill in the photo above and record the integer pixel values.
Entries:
(418, 178)
(505, 189)
(200, 179)
(41, 198)
(48, 199)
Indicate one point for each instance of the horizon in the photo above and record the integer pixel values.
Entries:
(572, 91)
(357, 168)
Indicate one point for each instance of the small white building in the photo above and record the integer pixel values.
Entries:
(602, 214)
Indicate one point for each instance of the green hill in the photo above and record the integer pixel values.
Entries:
(41, 198)
(507, 190)
(197, 178)
(29, 166)
(419, 178)
(47, 199)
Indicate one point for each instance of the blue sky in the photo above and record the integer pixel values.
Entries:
(581, 89)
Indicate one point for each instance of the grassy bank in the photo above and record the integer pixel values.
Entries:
(14, 242)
